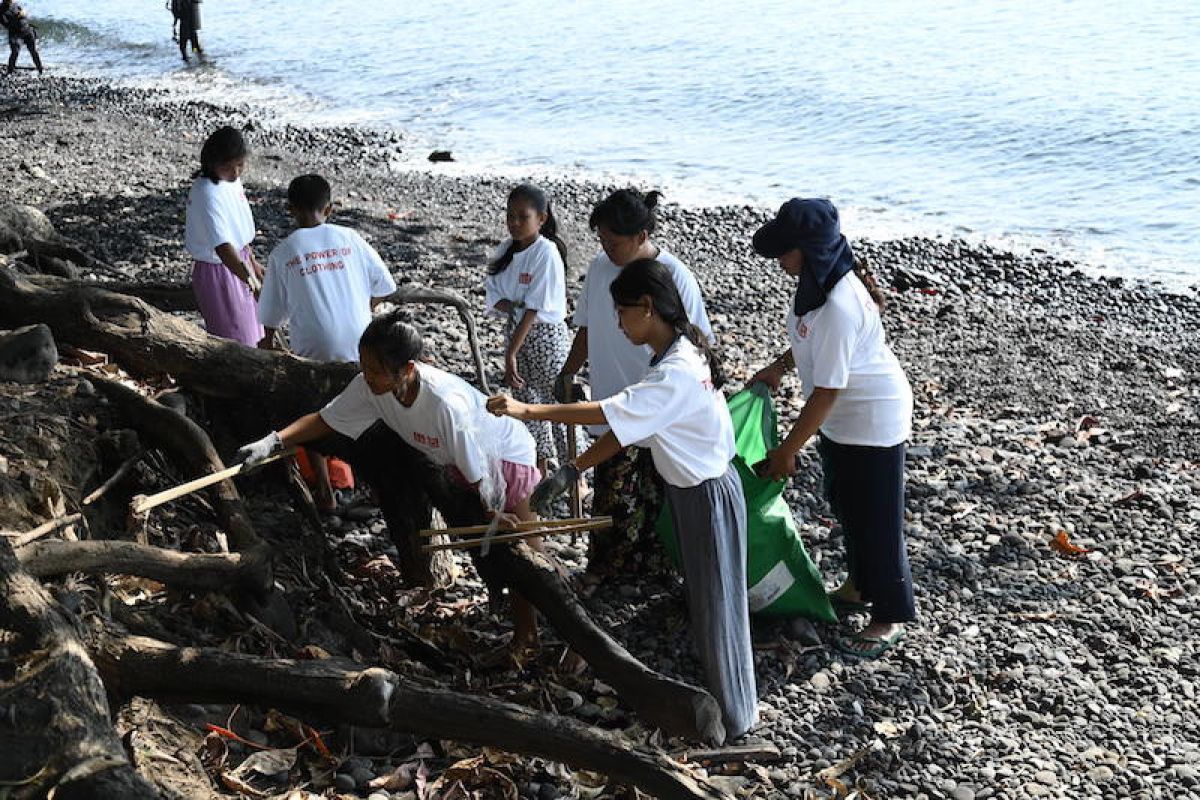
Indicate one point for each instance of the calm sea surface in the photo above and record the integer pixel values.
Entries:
(1072, 126)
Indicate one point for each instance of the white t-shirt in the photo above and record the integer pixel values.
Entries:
(323, 279)
(841, 346)
(448, 422)
(535, 278)
(614, 361)
(677, 413)
(217, 214)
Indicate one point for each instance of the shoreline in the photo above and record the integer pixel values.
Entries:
(390, 147)
(1047, 401)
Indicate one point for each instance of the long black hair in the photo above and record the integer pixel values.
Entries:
(224, 145)
(392, 340)
(646, 276)
(626, 212)
(541, 204)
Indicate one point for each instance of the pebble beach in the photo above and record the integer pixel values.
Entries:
(1052, 474)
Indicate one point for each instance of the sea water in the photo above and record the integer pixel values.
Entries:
(1071, 125)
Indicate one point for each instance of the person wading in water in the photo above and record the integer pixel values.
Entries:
(187, 18)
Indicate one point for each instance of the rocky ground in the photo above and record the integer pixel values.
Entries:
(1050, 405)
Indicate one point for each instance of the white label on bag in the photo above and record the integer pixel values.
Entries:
(771, 587)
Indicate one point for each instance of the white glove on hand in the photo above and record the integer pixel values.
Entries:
(257, 452)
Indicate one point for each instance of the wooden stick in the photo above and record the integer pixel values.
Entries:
(521, 526)
(45, 528)
(464, 544)
(142, 503)
(121, 472)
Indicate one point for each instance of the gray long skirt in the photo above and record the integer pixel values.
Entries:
(710, 522)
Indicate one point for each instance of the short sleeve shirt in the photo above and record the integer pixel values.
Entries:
(534, 279)
(217, 214)
(613, 361)
(841, 346)
(678, 414)
(448, 422)
(322, 280)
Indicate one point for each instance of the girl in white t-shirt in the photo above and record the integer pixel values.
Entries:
(678, 414)
(526, 283)
(219, 229)
(858, 399)
(626, 487)
(437, 414)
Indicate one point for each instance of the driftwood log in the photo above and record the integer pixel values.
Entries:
(55, 732)
(194, 571)
(337, 691)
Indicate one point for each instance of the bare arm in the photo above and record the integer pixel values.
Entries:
(773, 373)
(578, 354)
(601, 450)
(512, 376)
(230, 258)
(308, 428)
(782, 460)
(571, 413)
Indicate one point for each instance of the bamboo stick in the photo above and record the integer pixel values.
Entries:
(500, 538)
(521, 526)
(143, 503)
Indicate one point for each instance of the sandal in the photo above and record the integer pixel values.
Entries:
(879, 644)
(844, 606)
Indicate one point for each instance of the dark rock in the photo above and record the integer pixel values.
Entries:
(27, 355)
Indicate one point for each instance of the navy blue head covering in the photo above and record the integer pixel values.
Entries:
(810, 225)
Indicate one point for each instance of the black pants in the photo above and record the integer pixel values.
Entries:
(409, 486)
(14, 44)
(188, 33)
(865, 488)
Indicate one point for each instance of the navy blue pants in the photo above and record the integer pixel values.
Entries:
(865, 488)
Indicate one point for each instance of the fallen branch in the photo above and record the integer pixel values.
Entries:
(379, 698)
(195, 571)
(42, 248)
(678, 708)
(44, 529)
(143, 503)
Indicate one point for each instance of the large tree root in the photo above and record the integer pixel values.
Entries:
(379, 698)
(674, 706)
(55, 734)
(194, 571)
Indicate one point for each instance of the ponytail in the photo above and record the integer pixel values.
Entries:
(867, 277)
(541, 204)
(647, 277)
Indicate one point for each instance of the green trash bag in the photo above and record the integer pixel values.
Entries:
(782, 579)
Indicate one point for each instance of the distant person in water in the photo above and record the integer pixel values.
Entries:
(187, 18)
(16, 22)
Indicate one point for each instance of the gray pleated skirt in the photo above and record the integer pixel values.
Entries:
(710, 522)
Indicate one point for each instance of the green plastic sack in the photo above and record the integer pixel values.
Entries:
(781, 577)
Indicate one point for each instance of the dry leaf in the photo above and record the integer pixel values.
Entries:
(267, 762)
(1062, 543)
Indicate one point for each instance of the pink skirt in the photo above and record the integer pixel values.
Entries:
(519, 480)
(226, 303)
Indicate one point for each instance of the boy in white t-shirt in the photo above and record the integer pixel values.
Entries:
(324, 280)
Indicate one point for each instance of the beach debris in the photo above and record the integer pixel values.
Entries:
(1063, 544)
(440, 156)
